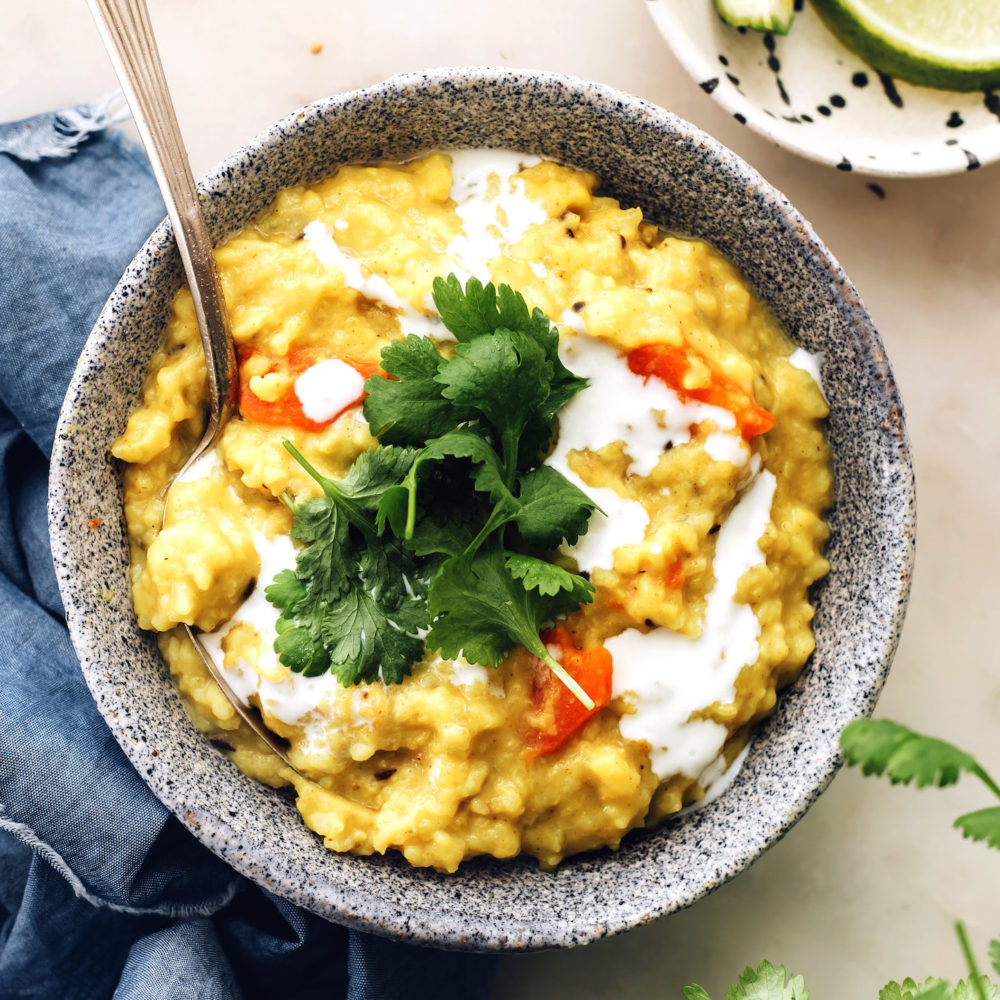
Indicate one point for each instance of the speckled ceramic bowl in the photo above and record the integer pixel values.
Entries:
(684, 180)
(809, 93)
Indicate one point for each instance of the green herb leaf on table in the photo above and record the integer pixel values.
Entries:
(983, 824)
(763, 983)
(930, 989)
(976, 988)
(973, 988)
(880, 746)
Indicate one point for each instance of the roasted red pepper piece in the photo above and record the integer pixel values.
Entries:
(590, 668)
(672, 364)
(286, 411)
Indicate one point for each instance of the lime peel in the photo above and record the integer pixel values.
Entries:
(913, 40)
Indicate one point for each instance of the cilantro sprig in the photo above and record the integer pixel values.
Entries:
(354, 603)
(769, 982)
(441, 530)
(880, 746)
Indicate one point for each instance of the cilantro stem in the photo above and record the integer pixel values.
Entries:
(970, 960)
(509, 444)
(538, 648)
(354, 513)
(497, 518)
(978, 771)
(410, 482)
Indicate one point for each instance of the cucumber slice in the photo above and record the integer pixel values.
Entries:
(761, 15)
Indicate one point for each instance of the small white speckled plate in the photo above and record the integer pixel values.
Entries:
(810, 94)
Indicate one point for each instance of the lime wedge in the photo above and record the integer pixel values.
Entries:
(761, 15)
(948, 44)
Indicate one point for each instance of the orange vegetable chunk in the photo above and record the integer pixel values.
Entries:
(286, 411)
(590, 668)
(682, 368)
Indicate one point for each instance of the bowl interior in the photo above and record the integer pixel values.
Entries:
(683, 180)
(809, 93)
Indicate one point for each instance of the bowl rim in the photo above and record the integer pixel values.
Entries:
(343, 905)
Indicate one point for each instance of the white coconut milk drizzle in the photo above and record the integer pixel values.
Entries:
(202, 467)
(811, 363)
(671, 676)
(646, 415)
(326, 388)
(491, 218)
(293, 696)
(716, 778)
(373, 286)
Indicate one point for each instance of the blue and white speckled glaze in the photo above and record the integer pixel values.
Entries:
(683, 179)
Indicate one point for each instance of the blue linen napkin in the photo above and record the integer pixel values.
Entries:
(102, 892)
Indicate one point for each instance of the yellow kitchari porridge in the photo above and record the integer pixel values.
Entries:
(696, 443)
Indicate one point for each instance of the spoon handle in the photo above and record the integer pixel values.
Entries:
(128, 36)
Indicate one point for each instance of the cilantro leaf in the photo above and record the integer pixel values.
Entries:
(449, 529)
(763, 983)
(983, 824)
(368, 633)
(481, 611)
(488, 477)
(930, 989)
(884, 747)
(479, 311)
(476, 613)
(695, 992)
(551, 508)
(399, 504)
(353, 604)
(974, 988)
(373, 472)
(768, 983)
(323, 527)
(547, 578)
(298, 645)
(995, 954)
(408, 407)
(504, 376)
(470, 313)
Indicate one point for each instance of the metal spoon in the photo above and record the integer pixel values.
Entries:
(128, 36)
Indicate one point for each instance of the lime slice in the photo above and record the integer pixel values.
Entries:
(948, 44)
(761, 15)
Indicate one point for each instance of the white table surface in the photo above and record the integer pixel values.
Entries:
(866, 887)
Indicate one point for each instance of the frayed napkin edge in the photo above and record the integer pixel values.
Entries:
(58, 134)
